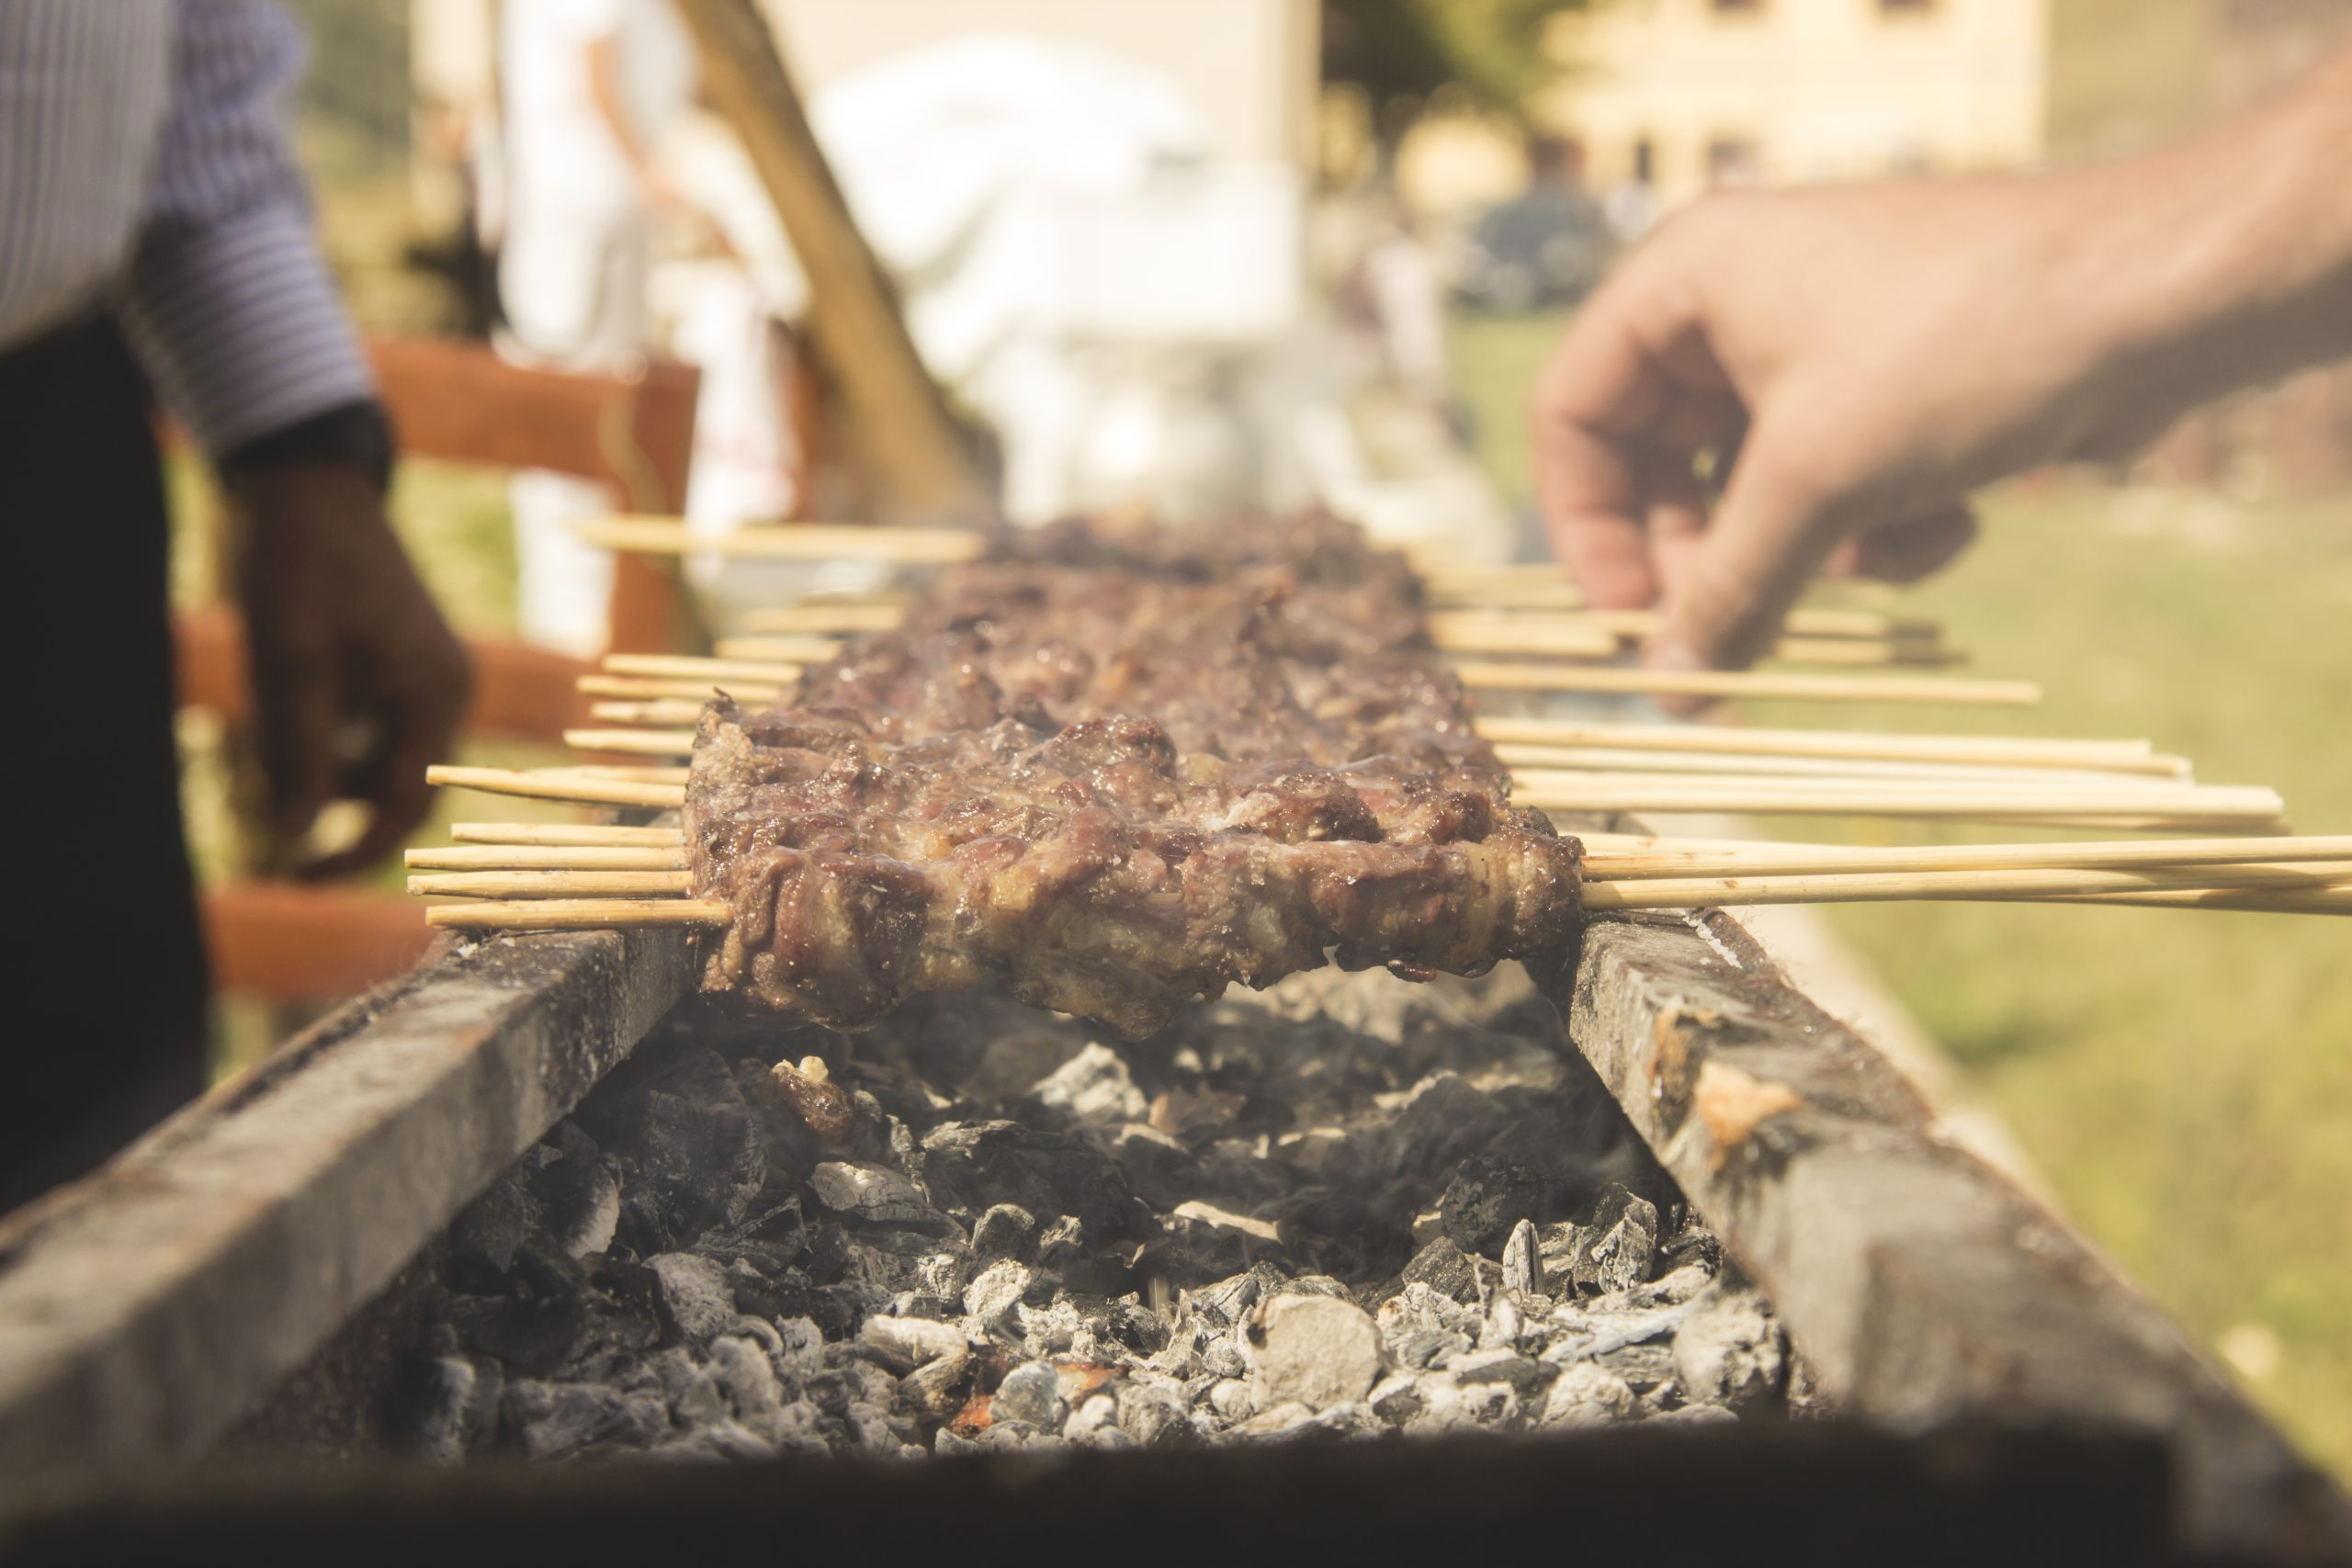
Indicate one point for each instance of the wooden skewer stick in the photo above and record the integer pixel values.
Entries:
(2130, 795)
(2002, 885)
(611, 771)
(2321, 901)
(1530, 635)
(2096, 756)
(1593, 636)
(785, 649)
(823, 616)
(694, 667)
(790, 541)
(1864, 653)
(641, 689)
(541, 786)
(633, 742)
(665, 712)
(553, 883)
(1573, 792)
(581, 914)
(564, 834)
(1865, 625)
(1690, 858)
(1605, 759)
(548, 857)
(1522, 677)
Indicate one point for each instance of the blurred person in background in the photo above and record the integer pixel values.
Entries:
(588, 90)
(1852, 363)
(154, 232)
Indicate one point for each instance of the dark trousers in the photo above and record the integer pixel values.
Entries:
(105, 1011)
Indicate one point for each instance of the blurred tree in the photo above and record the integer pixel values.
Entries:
(1490, 52)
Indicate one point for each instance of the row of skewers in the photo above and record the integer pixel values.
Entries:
(2231, 849)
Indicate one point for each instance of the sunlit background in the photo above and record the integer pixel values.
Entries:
(1320, 250)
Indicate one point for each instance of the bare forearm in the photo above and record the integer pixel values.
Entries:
(2233, 256)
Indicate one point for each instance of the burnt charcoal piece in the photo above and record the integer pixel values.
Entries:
(692, 1156)
(1487, 1198)
(972, 1166)
(1448, 1271)
(1614, 1250)
(484, 1235)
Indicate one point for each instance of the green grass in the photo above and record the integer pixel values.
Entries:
(2183, 1080)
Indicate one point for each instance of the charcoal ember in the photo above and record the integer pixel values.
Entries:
(769, 1241)
(1094, 1087)
(875, 1193)
(747, 1377)
(1130, 1326)
(486, 1233)
(1728, 1351)
(692, 1156)
(1222, 1356)
(460, 1410)
(1182, 1112)
(974, 1166)
(1587, 1395)
(1643, 1367)
(937, 1389)
(1614, 1250)
(1094, 1423)
(1444, 1121)
(1154, 1414)
(1487, 1200)
(1061, 1242)
(1031, 1392)
(996, 1291)
(872, 1301)
(697, 1299)
(578, 1190)
(1005, 1230)
(1161, 1168)
(1448, 1271)
(1232, 1399)
(558, 1420)
(903, 1344)
(1315, 1350)
(717, 1440)
(1523, 1273)
(690, 1390)
(1525, 1376)
(536, 1319)
(1333, 1231)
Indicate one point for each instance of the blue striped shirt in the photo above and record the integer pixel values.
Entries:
(144, 168)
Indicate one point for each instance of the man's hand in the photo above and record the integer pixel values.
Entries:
(359, 681)
(1783, 383)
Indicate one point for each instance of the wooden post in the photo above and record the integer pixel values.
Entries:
(902, 420)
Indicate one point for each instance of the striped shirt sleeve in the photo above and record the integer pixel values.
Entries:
(83, 89)
(228, 304)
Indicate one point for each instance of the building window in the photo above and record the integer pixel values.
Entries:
(1901, 8)
(1737, 7)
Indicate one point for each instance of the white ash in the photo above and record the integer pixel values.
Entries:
(1349, 1207)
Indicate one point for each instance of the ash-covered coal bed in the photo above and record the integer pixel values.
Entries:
(1347, 1207)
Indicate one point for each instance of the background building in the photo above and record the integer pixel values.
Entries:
(1680, 95)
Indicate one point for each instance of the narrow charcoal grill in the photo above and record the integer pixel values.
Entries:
(1521, 1251)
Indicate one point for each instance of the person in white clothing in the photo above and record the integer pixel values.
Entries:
(588, 89)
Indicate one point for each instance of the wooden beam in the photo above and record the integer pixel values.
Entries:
(146, 1307)
(901, 418)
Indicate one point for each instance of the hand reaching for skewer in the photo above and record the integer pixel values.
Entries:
(359, 681)
(1852, 363)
